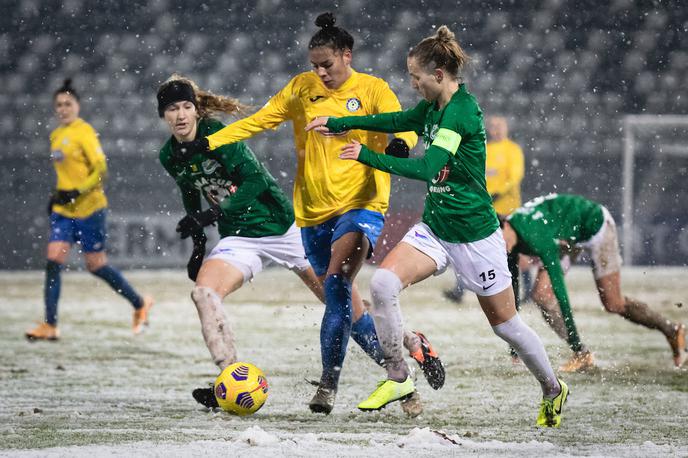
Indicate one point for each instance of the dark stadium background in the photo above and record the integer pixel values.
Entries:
(564, 73)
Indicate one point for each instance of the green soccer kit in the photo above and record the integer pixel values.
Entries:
(458, 207)
(545, 221)
(252, 203)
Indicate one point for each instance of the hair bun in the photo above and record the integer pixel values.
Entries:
(67, 83)
(325, 20)
(444, 35)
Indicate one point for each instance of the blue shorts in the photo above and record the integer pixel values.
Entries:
(318, 240)
(89, 232)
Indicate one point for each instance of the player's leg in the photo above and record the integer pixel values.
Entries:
(403, 266)
(546, 301)
(59, 244)
(231, 263)
(507, 324)
(337, 249)
(347, 256)
(216, 279)
(606, 260)
(609, 288)
(483, 265)
(91, 232)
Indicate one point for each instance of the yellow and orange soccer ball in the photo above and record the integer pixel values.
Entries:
(241, 389)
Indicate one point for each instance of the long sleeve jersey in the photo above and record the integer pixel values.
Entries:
(544, 221)
(79, 164)
(252, 203)
(326, 186)
(458, 208)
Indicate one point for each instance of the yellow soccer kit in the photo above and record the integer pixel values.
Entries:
(504, 172)
(80, 164)
(325, 185)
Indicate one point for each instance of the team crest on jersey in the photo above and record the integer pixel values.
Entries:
(210, 166)
(57, 155)
(194, 168)
(442, 175)
(353, 104)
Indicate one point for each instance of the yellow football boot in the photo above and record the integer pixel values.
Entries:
(388, 391)
(550, 409)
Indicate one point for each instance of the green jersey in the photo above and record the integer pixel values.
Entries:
(458, 207)
(252, 203)
(544, 221)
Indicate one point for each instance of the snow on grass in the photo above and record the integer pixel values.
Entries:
(100, 391)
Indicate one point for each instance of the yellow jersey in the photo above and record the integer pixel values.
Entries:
(326, 186)
(79, 164)
(504, 167)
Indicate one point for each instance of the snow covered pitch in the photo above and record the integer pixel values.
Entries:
(101, 391)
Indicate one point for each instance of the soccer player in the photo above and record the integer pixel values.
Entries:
(77, 211)
(255, 219)
(459, 225)
(504, 167)
(338, 205)
(546, 225)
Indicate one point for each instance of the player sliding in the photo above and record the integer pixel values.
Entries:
(459, 225)
(77, 212)
(254, 217)
(338, 205)
(540, 228)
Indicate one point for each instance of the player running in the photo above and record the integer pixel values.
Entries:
(338, 205)
(546, 224)
(77, 210)
(255, 219)
(459, 225)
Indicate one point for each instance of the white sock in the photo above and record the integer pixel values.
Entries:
(529, 348)
(216, 329)
(385, 287)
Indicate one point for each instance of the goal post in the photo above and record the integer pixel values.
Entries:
(660, 142)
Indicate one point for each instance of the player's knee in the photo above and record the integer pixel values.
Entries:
(202, 294)
(384, 286)
(615, 306)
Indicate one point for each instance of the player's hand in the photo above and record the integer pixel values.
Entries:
(185, 150)
(196, 259)
(351, 150)
(189, 225)
(318, 124)
(397, 148)
(65, 197)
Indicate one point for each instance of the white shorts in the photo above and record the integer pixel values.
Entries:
(603, 248)
(480, 266)
(251, 255)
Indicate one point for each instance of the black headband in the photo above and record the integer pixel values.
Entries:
(173, 92)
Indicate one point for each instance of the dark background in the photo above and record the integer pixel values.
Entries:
(564, 73)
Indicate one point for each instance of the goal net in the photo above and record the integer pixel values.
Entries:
(655, 190)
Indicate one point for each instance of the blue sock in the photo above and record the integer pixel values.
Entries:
(363, 333)
(51, 292)
(117, 282)
(335, 328)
